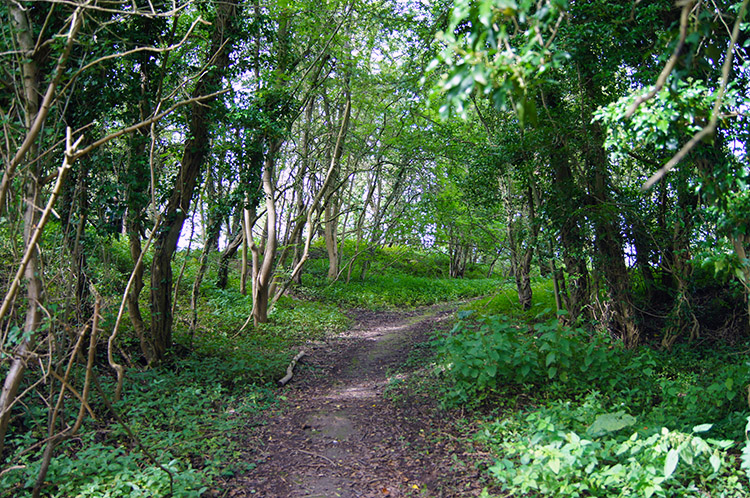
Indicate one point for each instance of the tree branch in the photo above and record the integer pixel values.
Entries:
(710, 128)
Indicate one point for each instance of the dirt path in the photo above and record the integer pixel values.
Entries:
(338, 436)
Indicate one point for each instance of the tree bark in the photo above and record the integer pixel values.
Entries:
(137, 195)
(229, 251)
(610, 257)
(194, 154)
(212, 237)
(34, 289)
(263, 266)
(522, 251)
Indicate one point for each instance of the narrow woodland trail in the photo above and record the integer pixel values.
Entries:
(338, 436)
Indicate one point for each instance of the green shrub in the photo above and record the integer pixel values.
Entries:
(494, 352)
(568, 449)
(181, 413)
(484, 358)
(102, 471)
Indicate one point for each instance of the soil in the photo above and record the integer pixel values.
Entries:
(344, 431)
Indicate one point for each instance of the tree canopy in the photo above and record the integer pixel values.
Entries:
(598, 144)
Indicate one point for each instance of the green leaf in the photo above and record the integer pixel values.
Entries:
(715, 461)
(670, 464)
(551, 356)
(554, 465)
(702, 428)
(610, 422)
(552, 372)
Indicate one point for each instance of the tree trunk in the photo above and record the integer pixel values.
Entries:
(212, 236)
(565, 195)
(75, 196)
(522, 251)
(178, 205)
(610, 258)
(230, 250)
(331, 229)
(263, 267)
(34, 289)
(137, 195)
(34, 300)
(523, 280)
(247, 237)
(332, 200)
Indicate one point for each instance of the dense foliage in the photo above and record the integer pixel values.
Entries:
(209, 183)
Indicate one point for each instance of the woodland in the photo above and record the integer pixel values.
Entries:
(193, 190)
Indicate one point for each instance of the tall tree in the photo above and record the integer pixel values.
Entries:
(216, 62)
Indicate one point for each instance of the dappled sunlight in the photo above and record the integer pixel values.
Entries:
(357, 391)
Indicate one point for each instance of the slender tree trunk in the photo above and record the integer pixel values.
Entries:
(523, 280)
(137, 195)
(263, 267)
(565, 195)
(34, 288)
(333, 202)
(212, 236)
(610, 256)
(740, 243)
(522, 251)
(75, 198)
(229, 251)
(247, 236)
(331, 228)
(34, 300)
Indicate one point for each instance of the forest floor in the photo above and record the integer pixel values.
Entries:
(343, 430)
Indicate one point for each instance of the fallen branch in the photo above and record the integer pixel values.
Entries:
(319, 456)
(290, 368)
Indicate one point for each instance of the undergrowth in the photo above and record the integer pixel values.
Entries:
(214, 383)
(384, 291)
(594, 419)
(181, 413)
(583, 448)
(395, 277)
(503, 300)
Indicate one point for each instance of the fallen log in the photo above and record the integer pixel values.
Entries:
(290, 368)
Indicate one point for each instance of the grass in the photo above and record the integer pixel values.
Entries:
(504, 301)
(389, 291)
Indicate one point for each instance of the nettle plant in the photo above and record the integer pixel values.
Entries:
(485, 355)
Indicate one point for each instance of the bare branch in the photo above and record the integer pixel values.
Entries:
(135, 51)
(41, 115)
(146, 13)
(145, 122)
(710, 128)
(34, 239)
